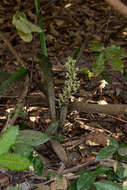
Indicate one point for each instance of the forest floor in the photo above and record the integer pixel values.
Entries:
(67, 25)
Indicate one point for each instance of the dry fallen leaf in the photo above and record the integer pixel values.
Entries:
(59, 185)
(96, 138)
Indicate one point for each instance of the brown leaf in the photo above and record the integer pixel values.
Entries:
(59, 150)
(96, 138)
(59, 185)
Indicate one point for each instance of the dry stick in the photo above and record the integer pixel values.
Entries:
(119, 6)
(95, 108)
(20, 103)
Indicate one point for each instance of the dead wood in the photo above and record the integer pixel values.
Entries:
(119, 6)
(95, 108)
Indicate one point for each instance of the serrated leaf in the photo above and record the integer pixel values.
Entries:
(33, 138)
(13, 78)
(14, 161)
(113, 142)
(86, 181)
(107, 185)
(24, 149)
(8, 139)
(97, 47)
(105, 153)
(116, 64)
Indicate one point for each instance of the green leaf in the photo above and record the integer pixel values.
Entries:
(116, 64)
(120, 172)
(86, 181)
(73, 186)
(97, 47)
(8, 139)
(107, 185)
(122, 152)
(23, 25)
(25, 36)
(33, 138)
(87, 71)
(122, 149)
(52, 128)
(13, 78)
(125, 172)
(38, 165)
(24, 149)
(102, 170)
(124, 187)
(105, 153)
(98, 67)
(114, 50)
(14, 188)
(14, 161)
(113, 142)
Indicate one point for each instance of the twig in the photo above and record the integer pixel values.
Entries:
(95, 108)
(75, 168)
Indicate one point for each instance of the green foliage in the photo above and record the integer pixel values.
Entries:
(14, 161)
(24, 149)
(33, 138)
(8, 139)
(87, 71)
(106, 152)
(21, 144)
(40, 22)
(11, 161)
(113, 142)
(24, 27)
(107, 185)
(86, 180)
(12, 79)
(37, 164)
(18, 187)
(112, 55)
(118, 174)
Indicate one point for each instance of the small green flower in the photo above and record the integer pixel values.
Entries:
(71, 81)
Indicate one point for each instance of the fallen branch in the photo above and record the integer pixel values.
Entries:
(119, 6)
(95, 108)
